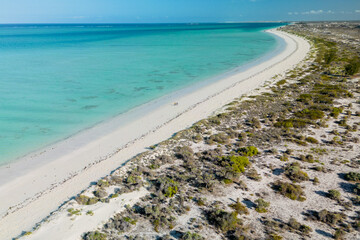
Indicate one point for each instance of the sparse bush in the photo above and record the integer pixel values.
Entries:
(239, 208)
(293, 123)
(334, 194)
(85, 200)
(100, 193)
(330, 218)
(292, 191)
(249, 151)
(309, 158)
(284, 157)
(316, 181)
(261, 205)
(223, 220)
(330, 56)
(303, 229)
(339, 234)
(220, 138)
(191, 236)
(311, 140)
(103, 183)
(185, 153)
(294, 173)
(253, 174)
(168, 186)
(95, 236)
(235, 164)
(73, 211)
(255, 123)
(352, 67)
(313, 114)
(352, 176)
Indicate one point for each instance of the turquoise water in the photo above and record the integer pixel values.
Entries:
(56, 80)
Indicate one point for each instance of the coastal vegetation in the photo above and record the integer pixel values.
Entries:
(268, 167)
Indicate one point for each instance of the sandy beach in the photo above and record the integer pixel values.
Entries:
(37, 185)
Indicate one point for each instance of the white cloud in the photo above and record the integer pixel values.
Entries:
(313, 12)
(293, 13)
(357, 11)
(316, 12)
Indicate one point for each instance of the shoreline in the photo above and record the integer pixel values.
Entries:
(191, 108)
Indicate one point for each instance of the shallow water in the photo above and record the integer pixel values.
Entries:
(56, 80)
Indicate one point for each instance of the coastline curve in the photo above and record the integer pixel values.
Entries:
(43, 190)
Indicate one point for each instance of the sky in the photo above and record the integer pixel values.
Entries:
(174, 11)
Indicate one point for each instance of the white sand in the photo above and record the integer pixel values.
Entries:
(51, 177)
(64, 227)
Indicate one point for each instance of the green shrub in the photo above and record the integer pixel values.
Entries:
(352, 176)
(292, 191)
(239, 208)
(281, 82)
(305, 230)
(228, 181)
(220, 138)
(249, 151)
(313, 114)
(168, 186)
(90, 213)
(129, 220)
(191, 236)
(284, 157)
(235, 164)
(352, 67)
(334, 194)
(330, 218)
(335, 112)
(330, 56)
(316, 181)
(274, 236)
(253, 174)
(311, 140)
(103, 183)
(95, 236)
(85, 200)
(339, 234)
(261, 205)
(293, 123)
(223, 220)
(294, 173)
(73, 211)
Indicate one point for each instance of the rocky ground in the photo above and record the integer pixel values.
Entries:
(282, 163)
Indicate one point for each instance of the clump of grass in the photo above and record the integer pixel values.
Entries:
(311, 140)
(73, 211)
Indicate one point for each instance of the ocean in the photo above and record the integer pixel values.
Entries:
(57, 79)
